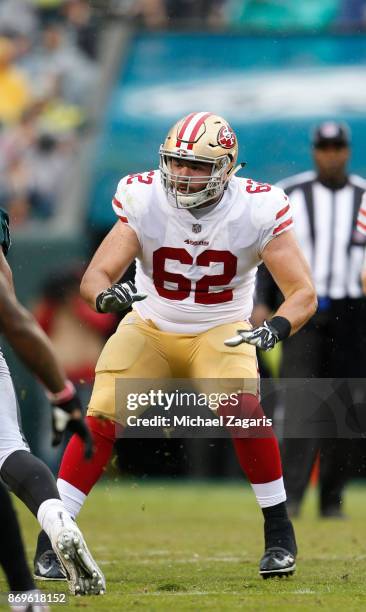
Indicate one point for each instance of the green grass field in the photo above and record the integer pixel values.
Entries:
(196, 547)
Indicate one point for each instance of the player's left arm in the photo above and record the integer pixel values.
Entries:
(288, 267)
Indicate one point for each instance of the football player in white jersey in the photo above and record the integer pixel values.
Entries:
(361, 227)
(26, 475)
(198, 234)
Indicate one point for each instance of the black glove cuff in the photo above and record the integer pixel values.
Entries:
(98, 303)
(282, 326)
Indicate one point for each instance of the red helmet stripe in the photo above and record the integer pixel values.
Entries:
(196, 128)
(190, 128)
(183, 129)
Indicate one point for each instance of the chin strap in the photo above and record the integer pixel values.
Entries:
(238, 167)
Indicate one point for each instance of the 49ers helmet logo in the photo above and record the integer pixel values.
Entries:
(226, 137)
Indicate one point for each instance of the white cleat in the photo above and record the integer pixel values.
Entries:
(83, 574)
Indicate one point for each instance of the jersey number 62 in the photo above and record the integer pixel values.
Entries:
(202, 293)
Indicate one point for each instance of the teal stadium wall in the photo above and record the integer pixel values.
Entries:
(272, 89)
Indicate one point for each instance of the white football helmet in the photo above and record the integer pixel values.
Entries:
(201, 137)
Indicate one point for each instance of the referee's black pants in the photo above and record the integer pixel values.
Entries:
(331, 345)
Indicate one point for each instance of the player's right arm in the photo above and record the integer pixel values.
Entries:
(117, 251)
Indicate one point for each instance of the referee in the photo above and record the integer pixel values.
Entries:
(325, 204)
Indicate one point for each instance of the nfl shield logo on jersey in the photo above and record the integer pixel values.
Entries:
(196, 228)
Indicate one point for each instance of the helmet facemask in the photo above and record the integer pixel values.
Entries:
(202, 138)
(180, 189)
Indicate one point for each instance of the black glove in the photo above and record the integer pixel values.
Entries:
(118, 298)
(264, 336)
(63, 405)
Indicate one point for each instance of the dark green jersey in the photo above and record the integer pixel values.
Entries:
(4, 231)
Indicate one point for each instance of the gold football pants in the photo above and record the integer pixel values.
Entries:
(139, 350)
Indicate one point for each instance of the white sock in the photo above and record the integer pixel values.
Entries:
(51, 512)
(72, 497)
(270, 493)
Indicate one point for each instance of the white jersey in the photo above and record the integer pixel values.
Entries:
(199, 273)
(361, 219)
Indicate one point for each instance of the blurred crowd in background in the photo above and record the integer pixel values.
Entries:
(255, 14)
(49, 63)
(48, 66)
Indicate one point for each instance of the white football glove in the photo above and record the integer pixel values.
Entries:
(264, 337)
(118, 298)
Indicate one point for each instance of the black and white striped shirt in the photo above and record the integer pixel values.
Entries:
(325, 226)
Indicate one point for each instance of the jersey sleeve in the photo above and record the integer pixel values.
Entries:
(361, 218)
(125, 205)
(5, 240)
(273, 216)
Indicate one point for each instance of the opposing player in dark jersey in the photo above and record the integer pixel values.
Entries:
(28, 477)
